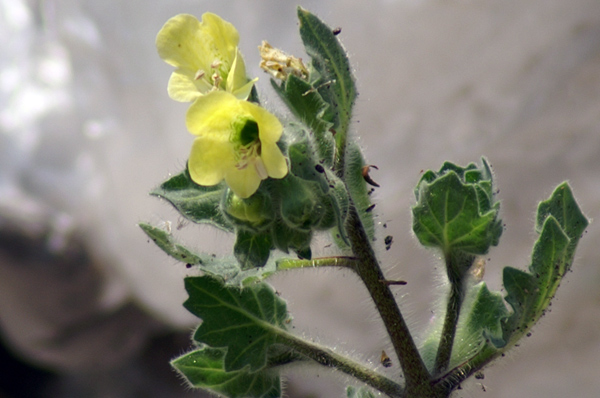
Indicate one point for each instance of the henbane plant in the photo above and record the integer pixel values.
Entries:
(276, 182)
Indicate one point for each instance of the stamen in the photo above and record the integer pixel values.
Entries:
(260, 168)
(215, 64)
(200, 74)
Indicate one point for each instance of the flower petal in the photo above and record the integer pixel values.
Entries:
(210, 160)
(274, 161)
(179, 44)
(184, 88)
(213, 114)
(243, 182)
(237, 81)
(224, 38)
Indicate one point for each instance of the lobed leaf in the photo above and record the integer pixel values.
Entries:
(204, 368)
(245, 320)
(448, 216)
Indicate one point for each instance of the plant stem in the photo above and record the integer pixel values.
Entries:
(444, 352)
(457, 265)
(338, 261)
(327, 357)
(367, 267)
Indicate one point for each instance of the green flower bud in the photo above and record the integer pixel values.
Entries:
(254, 213)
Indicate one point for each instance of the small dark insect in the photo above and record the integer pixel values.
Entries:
(365, 174)
(370, 208)
(337, 31)
(188, 266)
(388, 242)
(389, 282)
(319, 168)
(385, 360)
(479, 376)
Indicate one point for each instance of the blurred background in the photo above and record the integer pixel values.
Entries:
(90, 308)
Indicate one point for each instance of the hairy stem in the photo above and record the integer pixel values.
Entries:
(327, 357)
(338, 261)
(367, 267)
(457, 265)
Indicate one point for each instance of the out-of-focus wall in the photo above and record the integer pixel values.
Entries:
(87, 129)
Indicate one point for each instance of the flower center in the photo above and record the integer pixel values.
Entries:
(214, 79)
(246, 142)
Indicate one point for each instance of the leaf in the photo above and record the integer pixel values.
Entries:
(246, 321)
(164, 240)
(360, 392)
(447, 215)
(226, 268)
(252, 249)
(329, 59)
(357, 188)
(479, 324)
(560, 223)
(203, 368)
(563, 207)
(309, 107)
(197, 203)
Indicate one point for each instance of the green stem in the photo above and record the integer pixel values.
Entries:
(457, 265)
(339, 261)
(326, 357)
(444, 352)
(367, 267)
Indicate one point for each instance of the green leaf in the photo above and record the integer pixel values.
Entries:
(204, 368)
(197, 203)
(560, 223)
(309, 107)
(563, 207)
(246, 321)
(335, 83)
(165, 241)
(227, 268)
(360, 392)
(252, 249)
(479, 324)
(448, 216)
(286, 238)
(357, 188)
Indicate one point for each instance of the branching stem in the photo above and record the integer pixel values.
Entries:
(327, 357)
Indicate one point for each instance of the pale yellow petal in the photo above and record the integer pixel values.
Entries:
(183, 87)
(210, 160)
(237, 81)
(179, 43)
(213, 114)
(243, 182)
(274, 161)
(224, 38)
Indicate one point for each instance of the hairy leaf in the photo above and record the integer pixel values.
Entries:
(448, 216)
(197, 203)
(245, 320)
(204, 368)
(227, 268)
(336, 82)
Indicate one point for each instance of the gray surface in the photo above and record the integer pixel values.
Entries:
(86, 129)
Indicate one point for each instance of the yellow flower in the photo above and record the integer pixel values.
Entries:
(206, 57)
(236, 141)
